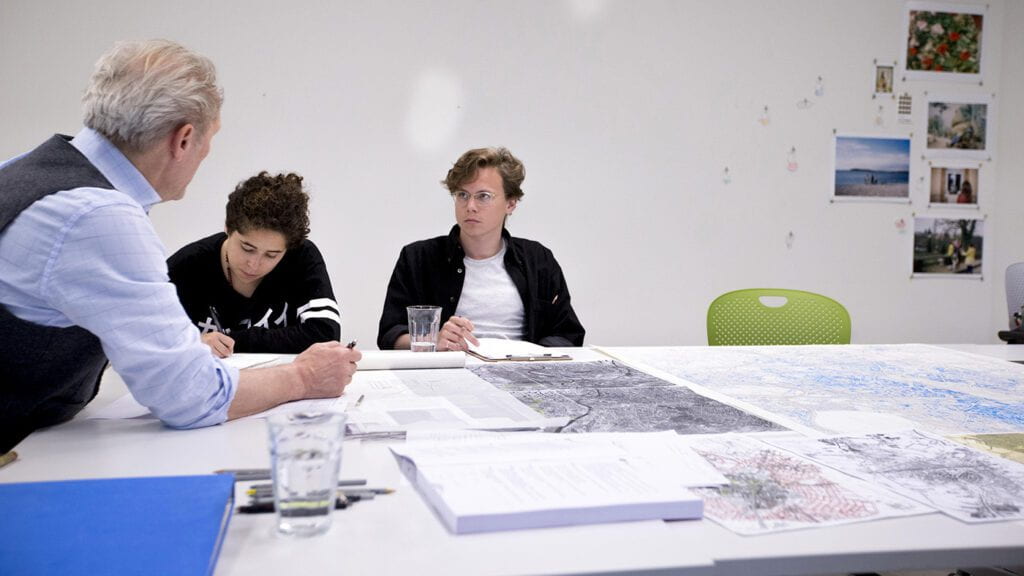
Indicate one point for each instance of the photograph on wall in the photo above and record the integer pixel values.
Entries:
(954, 184)
(943, 41)
(883, 80)
(948, 246)
(871, 168)
(959, 127)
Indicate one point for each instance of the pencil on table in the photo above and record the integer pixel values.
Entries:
(7, 458)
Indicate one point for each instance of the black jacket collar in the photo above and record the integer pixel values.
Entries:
(456, 253)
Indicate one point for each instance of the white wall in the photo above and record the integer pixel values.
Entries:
(625, 113)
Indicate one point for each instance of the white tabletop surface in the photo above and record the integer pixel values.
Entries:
(398, 533)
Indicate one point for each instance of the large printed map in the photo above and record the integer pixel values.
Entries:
(823, 387)
(609, 396)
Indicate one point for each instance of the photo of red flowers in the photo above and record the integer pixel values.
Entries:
(944, 40)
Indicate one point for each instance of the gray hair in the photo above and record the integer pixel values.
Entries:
(141, 91)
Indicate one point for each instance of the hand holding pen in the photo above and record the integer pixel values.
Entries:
(326, 368)
(220, 343)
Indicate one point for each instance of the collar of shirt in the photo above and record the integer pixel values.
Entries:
(115, 167)
(455, 252)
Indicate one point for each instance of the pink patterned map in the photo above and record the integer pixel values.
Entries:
(772, 490)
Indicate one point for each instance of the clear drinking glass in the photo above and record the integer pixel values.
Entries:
(305, 456)
(423, 326)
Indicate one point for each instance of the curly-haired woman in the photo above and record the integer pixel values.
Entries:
(261, 285)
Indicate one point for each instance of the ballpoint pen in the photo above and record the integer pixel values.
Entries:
(341, 484)
(246, 474)
(261, 499)
(216, 319)
(261, 506)
(351, 345)
(251, 474)
(367, 492)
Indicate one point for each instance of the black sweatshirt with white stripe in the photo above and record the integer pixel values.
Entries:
(292, 308)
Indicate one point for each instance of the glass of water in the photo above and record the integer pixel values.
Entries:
(305, 456)
(423, 326)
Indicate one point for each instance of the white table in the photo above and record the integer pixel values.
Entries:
(398, 534)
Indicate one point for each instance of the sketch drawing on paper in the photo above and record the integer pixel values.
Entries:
(964, 483)
(940, 390)
(771, 490)
(609, 396)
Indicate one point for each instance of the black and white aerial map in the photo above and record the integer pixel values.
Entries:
(608, 396)
(966, 484)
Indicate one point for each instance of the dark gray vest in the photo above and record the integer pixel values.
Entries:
(47, 375)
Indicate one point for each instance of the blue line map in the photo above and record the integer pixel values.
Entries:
(939, 390)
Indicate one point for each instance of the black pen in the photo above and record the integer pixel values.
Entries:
(246, 474)
(216, 319)
(351, 345)
(264, 498)
(350, 492)
(260, 507)
(341, 484)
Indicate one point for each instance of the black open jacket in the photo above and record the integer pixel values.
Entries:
(430, 272)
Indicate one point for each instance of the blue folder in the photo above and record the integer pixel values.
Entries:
(160, 525)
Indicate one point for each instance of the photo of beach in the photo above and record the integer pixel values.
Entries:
(872, 167)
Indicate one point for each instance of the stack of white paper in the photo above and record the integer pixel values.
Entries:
(527, 480)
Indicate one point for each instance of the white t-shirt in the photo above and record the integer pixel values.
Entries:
(490, 300)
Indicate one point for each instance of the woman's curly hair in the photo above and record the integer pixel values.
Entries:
(266, 202)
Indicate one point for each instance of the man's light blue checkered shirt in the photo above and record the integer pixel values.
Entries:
(91, 258)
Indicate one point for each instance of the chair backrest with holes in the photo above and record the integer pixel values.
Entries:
(772, 316)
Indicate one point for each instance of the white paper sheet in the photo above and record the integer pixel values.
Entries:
(435, 399)
(254, 360)
(407, 359)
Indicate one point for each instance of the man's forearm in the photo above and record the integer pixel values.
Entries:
(260, 389)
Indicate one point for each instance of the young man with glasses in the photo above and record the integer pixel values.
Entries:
(487, 283)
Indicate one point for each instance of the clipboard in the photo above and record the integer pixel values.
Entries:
(503, 350)
(547, 357)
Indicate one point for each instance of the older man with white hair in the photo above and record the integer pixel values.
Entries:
(84, 276)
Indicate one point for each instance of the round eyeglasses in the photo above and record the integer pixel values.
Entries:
(481, 198)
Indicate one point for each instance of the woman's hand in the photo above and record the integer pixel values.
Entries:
(220, 343)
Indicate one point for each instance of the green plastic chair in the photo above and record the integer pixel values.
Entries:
(770, 316)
